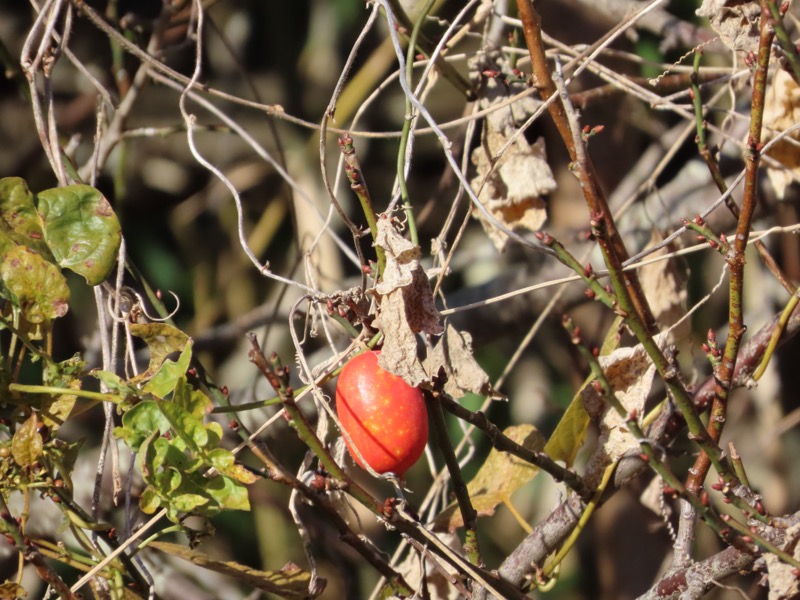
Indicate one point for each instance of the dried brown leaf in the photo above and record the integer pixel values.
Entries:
(289, 582)
(781, 111)
(783, 582)
(399, 352)
(664, 285)
(453, 356)
(736, 22)
(630, 373)
(513, 186)
(406, 306)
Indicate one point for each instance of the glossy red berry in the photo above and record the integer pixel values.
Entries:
(385, 417)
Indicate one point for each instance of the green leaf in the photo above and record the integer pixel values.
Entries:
(140, 422)
(34, 286)
(27, 443)
(228, 493)
(168, 481)
(81, 230)
(114, 383)
(189, 428)
(149, 501)
(188, 502)
(19, 222)
(225, 462)
(169, 373)
(289, 582)
(66, 374)
(195, 402)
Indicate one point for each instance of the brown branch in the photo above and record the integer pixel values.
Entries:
(611, 244)
(554, 529)
(736, 255)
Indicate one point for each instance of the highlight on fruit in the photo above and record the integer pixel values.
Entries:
(385, 418)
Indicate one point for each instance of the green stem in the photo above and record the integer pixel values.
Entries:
(53, 390)
(408, 122)
(789, 49)
(736, 259)
(722, 525)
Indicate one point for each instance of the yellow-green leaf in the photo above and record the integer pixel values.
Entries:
(162, 340)
(499, 477)
(570, 432)
(19, 222)
(34, 285)
(27, 443)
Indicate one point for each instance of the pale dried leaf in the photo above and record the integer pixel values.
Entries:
(399, 352)
(406, 306)
(513, 193)
(664, 285)
(783, 583)
(736, 22)
(499, 477)
(453, 356)
(630, 372)
(781, 111)
(402, 257)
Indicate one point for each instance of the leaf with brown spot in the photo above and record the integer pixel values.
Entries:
(81, 230)
(19, 222)
(34, 286)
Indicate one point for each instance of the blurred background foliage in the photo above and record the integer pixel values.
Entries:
(180, 226)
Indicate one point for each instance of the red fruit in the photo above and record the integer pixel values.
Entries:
(385, 417)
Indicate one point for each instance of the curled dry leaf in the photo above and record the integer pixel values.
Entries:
(781, 111)
(735, 21)
(630, 373)
(783, 582)
(452, 356)
(512, 188)
(406, 305)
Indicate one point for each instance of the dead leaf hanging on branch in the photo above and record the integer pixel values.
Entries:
(452, 357)
(406, 305)
(781, 111)
(513, 187)
(735, 21)
(630, 372)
